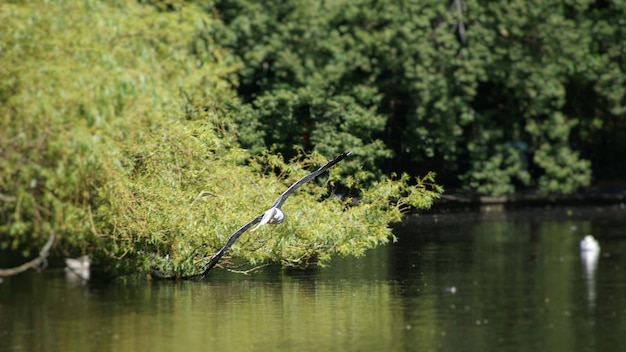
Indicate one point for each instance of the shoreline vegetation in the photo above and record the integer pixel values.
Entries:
(142, 133)
(588, 196)
(118, 138)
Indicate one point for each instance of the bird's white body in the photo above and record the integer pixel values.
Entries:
(271, 216)
(80, 263)
(78, 268)
(589, 244)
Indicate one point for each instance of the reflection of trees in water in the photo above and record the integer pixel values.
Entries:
(517, 270)
(519, 283)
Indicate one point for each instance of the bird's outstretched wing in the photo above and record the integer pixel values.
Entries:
(283, 197)
(217, 256)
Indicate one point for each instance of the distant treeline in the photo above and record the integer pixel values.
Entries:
(494, 96)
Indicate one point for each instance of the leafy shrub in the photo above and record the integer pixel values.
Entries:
(117, 137)
(453, 85)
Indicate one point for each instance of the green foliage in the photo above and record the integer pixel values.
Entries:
(80, 80)
(496, 174)
(292, 73)
(457, 85)
(179, 208)
(117, 137)
(563, 170)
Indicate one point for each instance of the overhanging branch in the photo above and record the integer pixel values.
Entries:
(43, 255)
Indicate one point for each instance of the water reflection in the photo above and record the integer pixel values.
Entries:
(589, 255)
(471, 282)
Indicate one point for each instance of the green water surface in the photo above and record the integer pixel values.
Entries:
(453, 282)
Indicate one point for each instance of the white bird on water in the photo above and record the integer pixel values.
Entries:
(78, 267)
(589, 244)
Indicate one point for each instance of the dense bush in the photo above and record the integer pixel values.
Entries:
(116, 137)
(492, 95)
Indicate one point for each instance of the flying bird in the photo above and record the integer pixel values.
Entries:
(274, 215)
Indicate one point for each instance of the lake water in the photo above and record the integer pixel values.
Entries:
(511, 281)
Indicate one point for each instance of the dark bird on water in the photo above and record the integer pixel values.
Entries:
(274, 215)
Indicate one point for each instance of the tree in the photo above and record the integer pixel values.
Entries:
(495, 97)
(117, 138)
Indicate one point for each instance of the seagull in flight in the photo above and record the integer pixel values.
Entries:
(274, 215)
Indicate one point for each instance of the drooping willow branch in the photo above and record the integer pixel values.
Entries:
(273, 211)
(43, 255)
(260, 219)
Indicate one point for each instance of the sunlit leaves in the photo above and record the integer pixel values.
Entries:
(80, 80)
(118, 135)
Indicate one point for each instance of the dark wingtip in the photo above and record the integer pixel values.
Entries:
(339, 158)
(342, 155)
